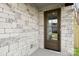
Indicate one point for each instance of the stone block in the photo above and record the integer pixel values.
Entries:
(1, 9)
(2, 19)
(4, 35)
(22, 43)
(14, 53)
(24, 51)
(7, 25)
(11, 17)
(13, 47)
(4, 15)
(1, 31)
(14, 35)
(13, 30)
(3, 50)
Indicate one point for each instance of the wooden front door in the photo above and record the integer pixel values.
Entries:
(52, 29)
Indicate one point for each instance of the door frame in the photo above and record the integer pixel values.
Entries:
(59, 27)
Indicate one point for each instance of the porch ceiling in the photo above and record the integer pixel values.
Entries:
(42, 5)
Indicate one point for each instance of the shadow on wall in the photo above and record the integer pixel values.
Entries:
(76, 33)
(76, 30)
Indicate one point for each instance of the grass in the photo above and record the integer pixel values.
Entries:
(76, 53)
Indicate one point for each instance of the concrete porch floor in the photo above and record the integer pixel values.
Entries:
(45, 52)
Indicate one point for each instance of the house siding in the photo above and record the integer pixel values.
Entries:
(67, 34)
(18, 29)
(22, 29)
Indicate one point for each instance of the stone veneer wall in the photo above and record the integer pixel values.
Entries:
(67, 30)
(67, 35)
(18, 29)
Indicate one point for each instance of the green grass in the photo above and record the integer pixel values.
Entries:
(76, 53)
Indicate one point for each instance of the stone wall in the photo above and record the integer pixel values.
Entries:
(67, 30)
(18, 29)
(67, 35)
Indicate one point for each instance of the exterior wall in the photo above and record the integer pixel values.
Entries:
(67, 35)
(18, 29)
(76, 33)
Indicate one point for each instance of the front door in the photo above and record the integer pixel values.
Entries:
(52, 29)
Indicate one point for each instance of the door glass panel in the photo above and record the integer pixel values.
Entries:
(52, 27)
